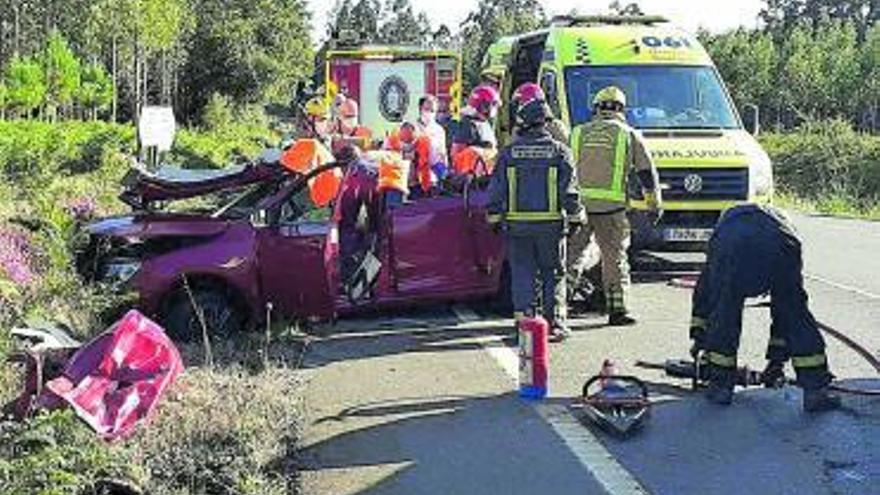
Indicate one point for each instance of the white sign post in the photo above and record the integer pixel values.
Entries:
(156, 130)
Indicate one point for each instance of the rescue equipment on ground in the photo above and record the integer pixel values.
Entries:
(744, 377)
(616, 403)
(698, 372)
(533, 357)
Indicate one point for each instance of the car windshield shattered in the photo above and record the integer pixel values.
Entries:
(658, 97)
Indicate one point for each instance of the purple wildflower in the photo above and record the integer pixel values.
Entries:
(16, 256)
(82, 208)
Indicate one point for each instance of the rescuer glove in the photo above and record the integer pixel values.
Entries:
(652, 201)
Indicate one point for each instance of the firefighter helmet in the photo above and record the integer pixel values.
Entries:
(317, 107)
(610, 95)
(531, 114)
(527, 92)
(483, 98)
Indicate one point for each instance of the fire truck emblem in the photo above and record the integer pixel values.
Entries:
(393, 98)
(693, 183)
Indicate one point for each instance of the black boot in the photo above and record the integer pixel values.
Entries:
(621, 320)
(820, 400)
(773, 375)
(559, 332)
(720, 389)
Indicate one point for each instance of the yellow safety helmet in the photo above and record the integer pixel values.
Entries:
(610, 94)
(317, 107)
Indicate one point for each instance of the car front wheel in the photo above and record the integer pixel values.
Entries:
(221, 316)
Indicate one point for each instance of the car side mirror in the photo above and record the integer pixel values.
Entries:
(752, 119)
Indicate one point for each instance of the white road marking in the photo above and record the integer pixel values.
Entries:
(845, 287)
(579, 439)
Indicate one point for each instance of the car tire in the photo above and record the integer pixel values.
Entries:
(223, 317)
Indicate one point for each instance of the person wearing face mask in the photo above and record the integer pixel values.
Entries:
(427, 125)
(346, 128)
(474, 145)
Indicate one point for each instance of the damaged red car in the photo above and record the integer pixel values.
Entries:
(265, 247)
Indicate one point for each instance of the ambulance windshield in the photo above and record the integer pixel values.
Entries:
(658, 96)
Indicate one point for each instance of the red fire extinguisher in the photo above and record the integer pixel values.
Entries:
(533, 358)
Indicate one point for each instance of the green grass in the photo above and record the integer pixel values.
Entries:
(833, 205)
(227, 429)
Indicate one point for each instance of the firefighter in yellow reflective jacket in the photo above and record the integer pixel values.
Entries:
(604, 150)
(533, 193)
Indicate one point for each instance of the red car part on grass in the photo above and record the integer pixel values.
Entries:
(115, 381)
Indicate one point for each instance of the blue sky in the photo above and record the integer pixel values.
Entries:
(716, 15)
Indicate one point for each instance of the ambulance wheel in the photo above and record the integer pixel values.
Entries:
(223, 318)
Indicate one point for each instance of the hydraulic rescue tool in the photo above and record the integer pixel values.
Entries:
(745, 377)
(616, 403)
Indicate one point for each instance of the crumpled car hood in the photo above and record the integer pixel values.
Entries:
(157, 225)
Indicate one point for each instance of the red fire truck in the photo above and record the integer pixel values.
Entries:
(387, 82)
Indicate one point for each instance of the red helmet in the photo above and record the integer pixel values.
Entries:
(483, 98)
(527, 92)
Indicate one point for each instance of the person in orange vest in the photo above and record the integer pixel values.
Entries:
(393, 173)
(307, 154)
(346, 126)
(474, 145)
(416, 148)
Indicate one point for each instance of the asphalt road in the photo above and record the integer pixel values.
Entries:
(423, 403)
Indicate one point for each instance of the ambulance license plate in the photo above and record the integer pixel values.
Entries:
(687, 235)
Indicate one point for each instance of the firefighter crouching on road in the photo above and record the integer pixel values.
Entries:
(605, 149)
(533, 192)
(755, 250)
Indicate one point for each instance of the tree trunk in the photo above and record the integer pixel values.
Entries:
(145, 68)
(136, 86)
(16, 41)
(115, 69)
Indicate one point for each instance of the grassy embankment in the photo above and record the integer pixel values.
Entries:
(827, 168)
(229, 428)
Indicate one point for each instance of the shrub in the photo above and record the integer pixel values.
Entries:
(56, 453)
(827, 159)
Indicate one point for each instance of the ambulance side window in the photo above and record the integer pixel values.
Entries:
(548, 84)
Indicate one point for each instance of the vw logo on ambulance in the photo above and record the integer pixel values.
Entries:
(693, 183)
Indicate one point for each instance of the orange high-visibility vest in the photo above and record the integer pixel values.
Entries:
(474, 160)
(304, 156)
(393, 171)
(324, 187)
(420, 159)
